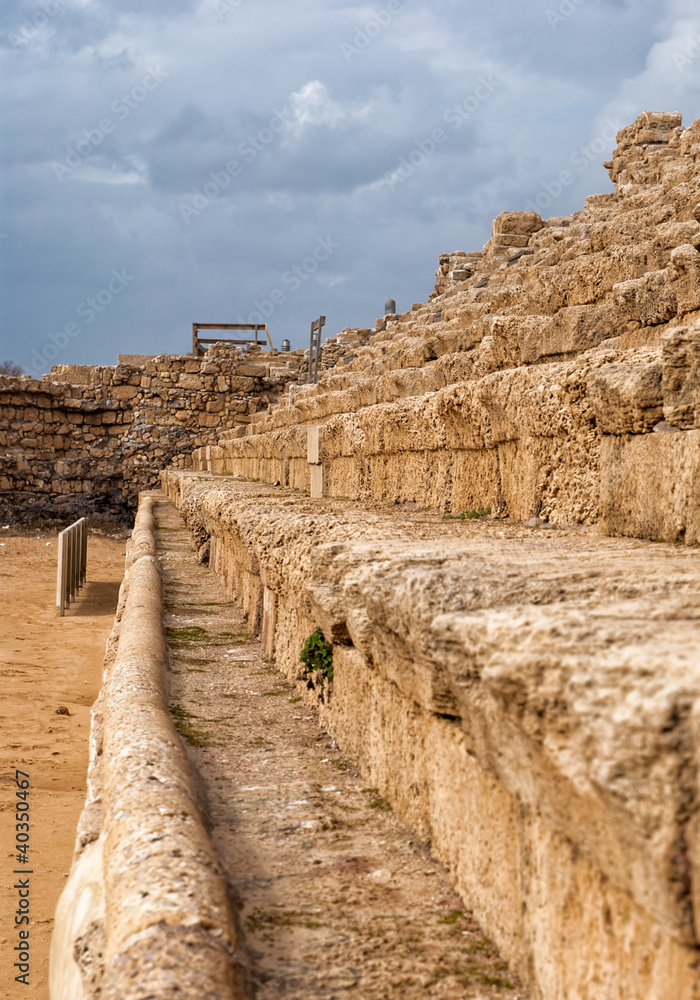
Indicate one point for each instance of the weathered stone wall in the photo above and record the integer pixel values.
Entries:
(86, 439)
(527, 699)
(555, 373)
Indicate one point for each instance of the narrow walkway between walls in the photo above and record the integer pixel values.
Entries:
(334, 895)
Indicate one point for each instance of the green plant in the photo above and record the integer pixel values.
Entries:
(179, 637)
(468, 515)
(381, 804)
(187, 726)
(317, 654)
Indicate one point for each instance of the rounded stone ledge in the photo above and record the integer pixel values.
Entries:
(161, 923)
(78, 937)
(172, 963)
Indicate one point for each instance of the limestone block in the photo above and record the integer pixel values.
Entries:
(517, 223)
(314, 445)
(626, 399)
(251, 369)
(681, 376)
(656, 299)
(243, 384)
(507, 240)
(674, 234)
(572, 330)
(280, 372)
(134, 360)
(269, 622)
(651, 299)
(685, 260)
(75, 374)
(316, 481)
(656, 126)
(123, 391)
(650, 486)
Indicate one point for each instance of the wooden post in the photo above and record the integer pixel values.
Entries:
(315, 348)
(61, 577)
(72, 563)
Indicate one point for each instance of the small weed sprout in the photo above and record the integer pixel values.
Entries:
(317, 654)
(468, 515)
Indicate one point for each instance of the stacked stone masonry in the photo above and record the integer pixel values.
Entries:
(527, 699)
(85, 440)
(555, 373)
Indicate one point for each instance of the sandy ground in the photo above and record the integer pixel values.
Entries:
(46, 662)
(335, 896)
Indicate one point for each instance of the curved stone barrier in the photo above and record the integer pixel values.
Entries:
(146, 910)
(527, 700)
(142, 541)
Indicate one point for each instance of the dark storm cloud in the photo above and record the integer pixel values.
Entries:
(203, 152)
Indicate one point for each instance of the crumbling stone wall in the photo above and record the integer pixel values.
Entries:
(85, 440)
(553, 374)
(526, 699)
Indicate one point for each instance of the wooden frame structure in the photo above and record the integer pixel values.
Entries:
(315, 348)
(72, 563)
(197, 341)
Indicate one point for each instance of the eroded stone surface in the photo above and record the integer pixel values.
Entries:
(544, 680)
(336, 897)
(504, 389)
(154, 916)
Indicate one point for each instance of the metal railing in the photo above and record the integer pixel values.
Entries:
(198, 351)
(72, 563)
(315, 348)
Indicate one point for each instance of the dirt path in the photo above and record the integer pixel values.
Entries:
(46, 662)
(337, 897)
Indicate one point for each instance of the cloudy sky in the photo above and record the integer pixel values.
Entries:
(223, 160)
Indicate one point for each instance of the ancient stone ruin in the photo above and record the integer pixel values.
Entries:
(490, 507)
